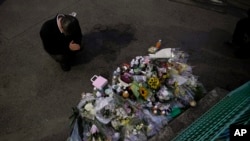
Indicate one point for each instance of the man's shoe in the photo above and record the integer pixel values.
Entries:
(65, 67)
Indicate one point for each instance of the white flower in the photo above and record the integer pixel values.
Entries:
(88, 106)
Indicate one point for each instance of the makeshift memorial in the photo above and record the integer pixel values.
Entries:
(144, 95)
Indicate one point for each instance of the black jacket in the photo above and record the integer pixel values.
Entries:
(54, 41)
(241, 35)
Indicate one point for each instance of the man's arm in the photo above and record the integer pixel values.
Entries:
(46, 37)
(74, 46)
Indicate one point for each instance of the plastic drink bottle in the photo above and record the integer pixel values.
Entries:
(158, 44)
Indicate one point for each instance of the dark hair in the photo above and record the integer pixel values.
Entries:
(69, 24)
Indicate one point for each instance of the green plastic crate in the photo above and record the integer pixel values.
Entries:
(214, 124)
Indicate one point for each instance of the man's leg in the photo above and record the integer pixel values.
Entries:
(67, 61)
(63, 60)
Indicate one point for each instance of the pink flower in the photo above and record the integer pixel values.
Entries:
(94, 129)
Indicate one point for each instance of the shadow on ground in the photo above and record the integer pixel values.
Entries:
(105, 40)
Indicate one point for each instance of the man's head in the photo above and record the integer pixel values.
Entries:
(69, 24)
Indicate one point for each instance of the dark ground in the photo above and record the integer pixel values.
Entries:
(36, 96)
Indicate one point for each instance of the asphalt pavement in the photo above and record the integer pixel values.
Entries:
(36, 96)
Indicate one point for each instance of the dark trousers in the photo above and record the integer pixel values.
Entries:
(66, 59)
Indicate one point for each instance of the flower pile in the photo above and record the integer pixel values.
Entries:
(144, 95)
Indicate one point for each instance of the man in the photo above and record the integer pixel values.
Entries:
(242, 31)
(241, 37)
(61, 37)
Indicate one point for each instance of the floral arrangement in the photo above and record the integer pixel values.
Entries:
(144, 95)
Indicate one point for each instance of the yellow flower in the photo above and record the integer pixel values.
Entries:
(154, 83)
(125, 121)
(143, 91)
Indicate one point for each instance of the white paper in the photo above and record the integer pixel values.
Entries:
(163, 53)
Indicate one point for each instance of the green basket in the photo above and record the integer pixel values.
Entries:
(214, 124)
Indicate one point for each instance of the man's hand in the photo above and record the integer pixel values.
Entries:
(74, 46)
